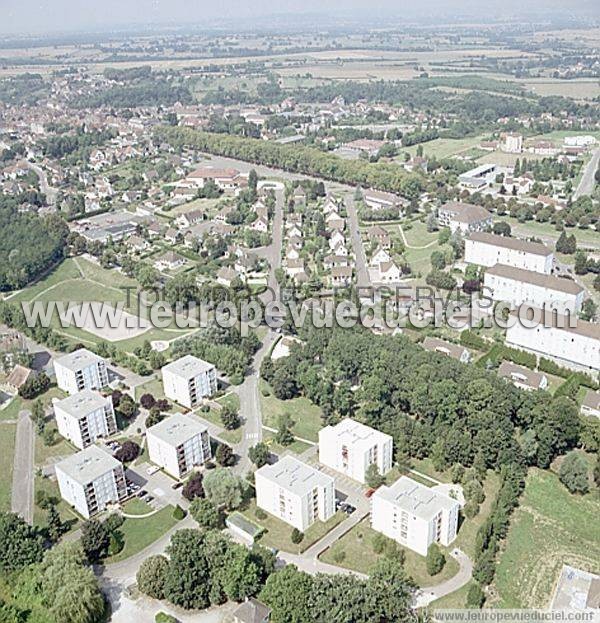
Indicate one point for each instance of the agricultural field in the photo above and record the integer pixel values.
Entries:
(551, 527)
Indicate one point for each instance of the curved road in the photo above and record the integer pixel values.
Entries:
(428, 594)
(586, 184)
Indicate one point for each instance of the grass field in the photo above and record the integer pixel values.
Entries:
(278, 533)
(585, 237)
(7, 447)
(425, 243)
(444, 147)
(140, 533)
(135, 506)
(550, 528)
(305, 415)
(297, 447)
(355, 551)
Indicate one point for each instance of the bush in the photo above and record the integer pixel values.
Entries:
(475, 596)
(435, 560)
(128, 452)
(260, 514)
(297, 536)
(147, 401)
(178, 513)
(573, 473)
(116, 543)
(163, 617)
(193, 487)
(378, 543)
(339, 556)
(151, 576)
(34, 386)
(471, 508)
(472, 340)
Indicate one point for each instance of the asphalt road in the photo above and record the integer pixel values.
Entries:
(586, 184)
(363, 279)
(22, 484)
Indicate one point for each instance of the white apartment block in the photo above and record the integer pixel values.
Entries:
(85, 417)
(295, 492)
(517, 286)
(80, 370)
(488, 250)
(188, 380)
(351, 447)
(178, 444)
(91, 480)
(577, 348)
(414, 515)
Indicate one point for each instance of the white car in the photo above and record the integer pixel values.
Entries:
(152, 470)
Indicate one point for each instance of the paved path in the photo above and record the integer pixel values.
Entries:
(363, 278)
(428, 594)
(22, 484)
(586, 184)
(314, 551)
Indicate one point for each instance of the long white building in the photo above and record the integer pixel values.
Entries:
(414, 515)
(178, 444)
(517, 286)
(84, 417)
(351, 447)
(577, 348)
(80, 370)
(91, 480)
(295, 492)
(188, 380)
(486, 249)
(464, 217)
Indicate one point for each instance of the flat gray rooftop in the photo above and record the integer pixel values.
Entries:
(294, 475)
(79, 359)
(88, 465)
(82, 403)
(415, 498)
(188, 367)
(177, 429)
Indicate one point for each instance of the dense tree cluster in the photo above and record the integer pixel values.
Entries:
(298, 159)
(29, 244)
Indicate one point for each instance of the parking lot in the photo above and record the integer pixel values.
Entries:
(157, 484)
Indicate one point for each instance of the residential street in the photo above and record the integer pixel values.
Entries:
(22, 483)
(363, 279)
(586, 184)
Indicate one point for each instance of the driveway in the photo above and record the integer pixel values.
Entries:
(23, 473)
(426, 595)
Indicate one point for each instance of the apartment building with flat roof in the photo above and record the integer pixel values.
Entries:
(178, 444)
(80, 370)
(414, 515)
(188, 380)
(91, 480)
(350, 447)
(85, 417)
(295, 492)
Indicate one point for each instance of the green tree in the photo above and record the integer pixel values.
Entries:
(573, 473)
(205, 513)
(223, 488)
(372, 476)
(288, 593)
(475, 596)
(435, 560)
(20, 544)
(284, 434)
(151, 576)
(259, 454)
(224, 455)
(95, 539)
(229, 417)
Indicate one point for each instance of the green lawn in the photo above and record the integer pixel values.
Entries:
(278, 533)
(135, 506)
(231, 400)
(550, 528)
(7, 447)
(140, 533)
(356, 547)
(305, 415)
(457, 599)
(585, 237)
(444, 147)
(297, 447)
(67, 514)
(213, 416)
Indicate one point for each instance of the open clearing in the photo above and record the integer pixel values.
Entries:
(550, 528)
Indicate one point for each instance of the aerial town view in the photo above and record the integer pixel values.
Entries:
(299, 311)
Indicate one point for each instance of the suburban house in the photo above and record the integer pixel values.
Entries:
(351, 447)
(517, 286)
(295, 492)
(455, 351)
(575, 347)
(190, 218)
(380, 255)
(380, 236)
(225, 179)
(379, 200)
(485, 249)
(178, 444)
(91, 480)
(464, 217)
(414, 515)
(389, 272)
(521, 377)
(341, 276)
(360, 146)
(188, 380)
(591, 403)
(80, 370)
(261, 225)
(18, 376)
(252, 611)
(85, 417)
(169, 261)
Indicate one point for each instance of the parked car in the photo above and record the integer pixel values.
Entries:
(370, 492)
(152, 470)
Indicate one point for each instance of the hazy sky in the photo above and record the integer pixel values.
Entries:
(22, 16)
